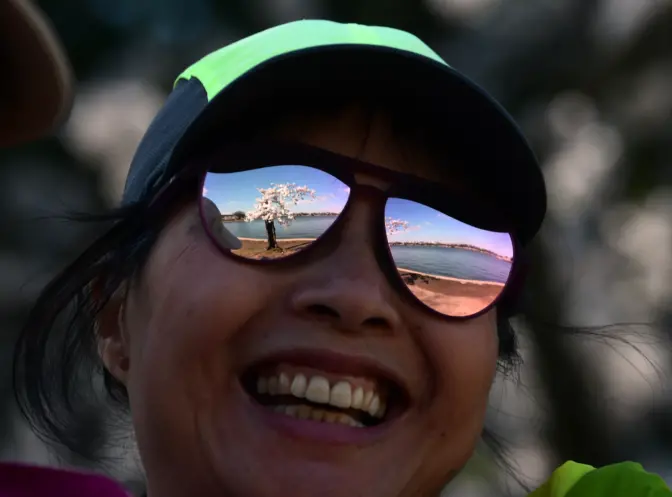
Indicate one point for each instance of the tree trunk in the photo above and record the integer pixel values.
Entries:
(270, 232)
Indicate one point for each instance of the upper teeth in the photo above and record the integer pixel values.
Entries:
(341, 394)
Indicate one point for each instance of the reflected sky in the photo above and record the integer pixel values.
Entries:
(239, 191)
(233, 192)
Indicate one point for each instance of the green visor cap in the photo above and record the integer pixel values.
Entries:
(326, 58)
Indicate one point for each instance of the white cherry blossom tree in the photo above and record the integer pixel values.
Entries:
(394, 226)
(275, 205)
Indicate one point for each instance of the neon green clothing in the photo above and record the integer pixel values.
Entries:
(220, 68)
(626, 479)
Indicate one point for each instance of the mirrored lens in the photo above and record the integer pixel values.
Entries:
(452, 267)
(271, 212)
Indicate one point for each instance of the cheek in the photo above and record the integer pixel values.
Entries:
(192, 302)
(464, 359)
(199, 300)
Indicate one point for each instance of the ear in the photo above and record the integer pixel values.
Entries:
(113, 338)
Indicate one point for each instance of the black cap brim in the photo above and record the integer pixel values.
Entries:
(480, 133)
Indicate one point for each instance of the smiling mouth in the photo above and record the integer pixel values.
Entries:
(306, 393)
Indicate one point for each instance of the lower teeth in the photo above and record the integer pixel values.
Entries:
(303, 411)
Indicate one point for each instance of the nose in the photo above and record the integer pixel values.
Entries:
(353, 304)
(347, 287)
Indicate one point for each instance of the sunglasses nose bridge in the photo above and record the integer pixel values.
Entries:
(348, 284)
(363, 219)
(362, 243)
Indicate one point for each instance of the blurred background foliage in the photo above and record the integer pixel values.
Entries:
(590, 81)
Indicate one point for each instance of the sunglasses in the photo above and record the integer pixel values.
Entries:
(443, 246)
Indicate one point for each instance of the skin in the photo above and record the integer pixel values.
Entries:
(195, 319)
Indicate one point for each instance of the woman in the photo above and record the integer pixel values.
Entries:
(342, 338)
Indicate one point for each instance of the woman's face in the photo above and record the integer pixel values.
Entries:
(197, 321)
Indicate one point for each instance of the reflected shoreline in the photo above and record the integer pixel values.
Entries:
(462, 246)
(401, 244)
(280, 240)
(450, 278)
(255, 248)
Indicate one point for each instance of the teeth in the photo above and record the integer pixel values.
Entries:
(357, 398)
(367, 400)
(308, 412)
(292, 411)
(374, 405)
(341, 395)
(304, 412)
(331, 417)
(381, 410)
(317, 389)
(298, 387)
(284, 384)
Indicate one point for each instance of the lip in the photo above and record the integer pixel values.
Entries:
(338, 364)
(316, 432)
(329, 433)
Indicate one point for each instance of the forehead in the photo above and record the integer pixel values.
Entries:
(372, 135)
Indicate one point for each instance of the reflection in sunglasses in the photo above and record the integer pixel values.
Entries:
(452, 267)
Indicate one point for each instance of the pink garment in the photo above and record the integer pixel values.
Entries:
(20, 480)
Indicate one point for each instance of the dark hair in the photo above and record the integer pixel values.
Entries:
(57, 368)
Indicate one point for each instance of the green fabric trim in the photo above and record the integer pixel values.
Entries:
(627, 479)
(221, 67)
(562, 480)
